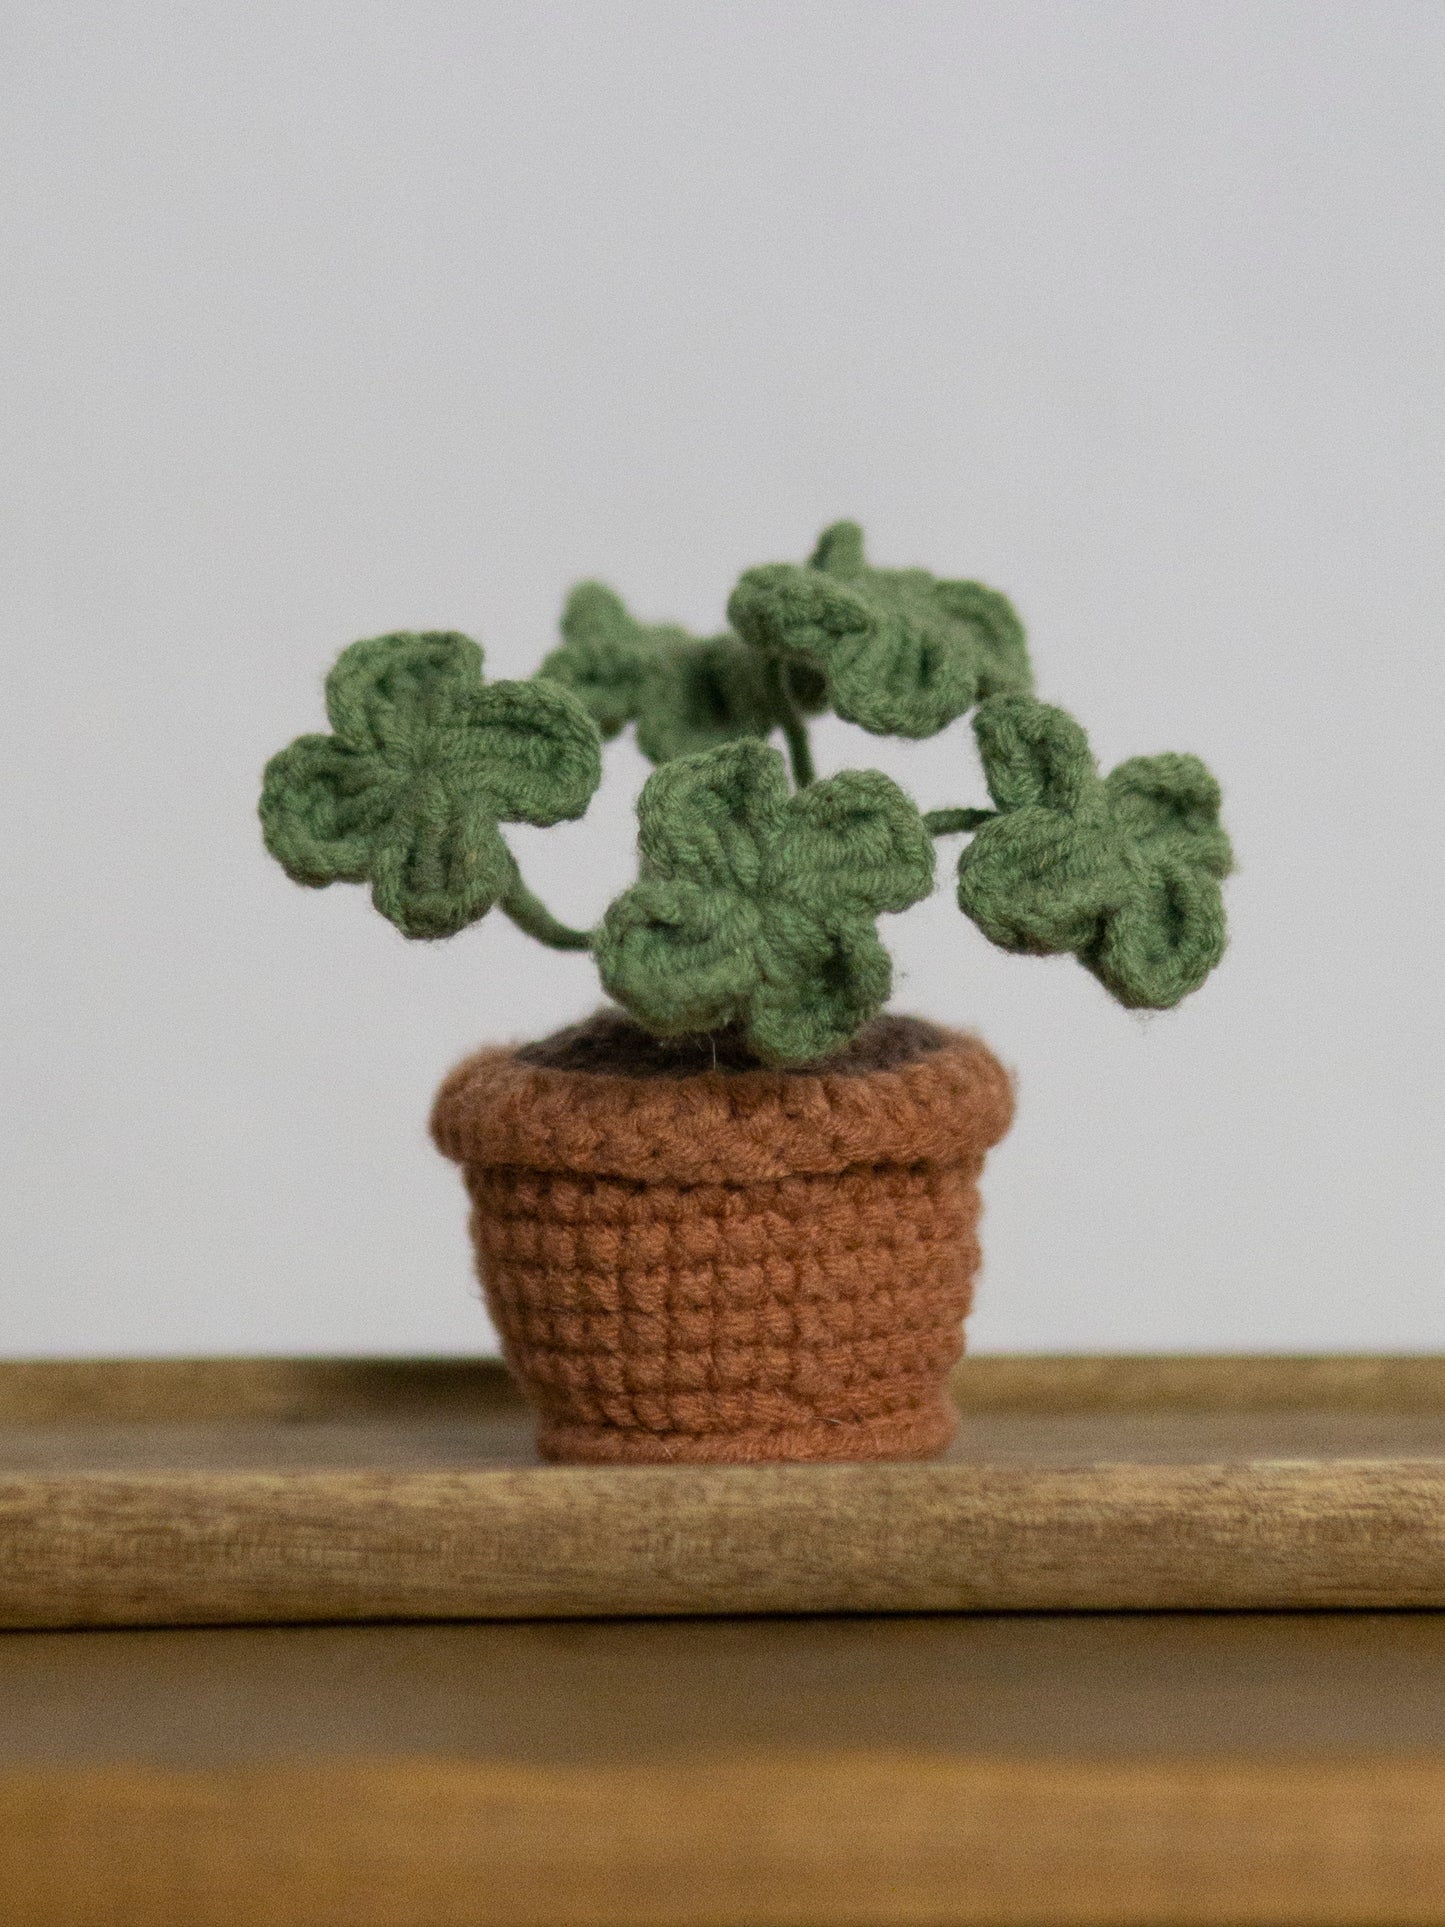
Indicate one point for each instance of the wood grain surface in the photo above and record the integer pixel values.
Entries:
(232, 1491)
(1012, 1771)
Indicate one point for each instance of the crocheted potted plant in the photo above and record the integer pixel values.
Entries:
(732, 1217)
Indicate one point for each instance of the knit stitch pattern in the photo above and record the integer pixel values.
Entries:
(1123, 870)
(757, 906)
(734, 1266)
(756, 901)
(902, 653)
(684, 693)
(423, 763)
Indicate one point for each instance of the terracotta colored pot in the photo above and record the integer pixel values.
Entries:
(728, 1264)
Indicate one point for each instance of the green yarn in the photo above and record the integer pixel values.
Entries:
(1123, 871)
(603, 656)
(950, 822)
(757, 907)
(902, 653)
(755, 904)
(424, 761)
(685, 694)
(700, 695)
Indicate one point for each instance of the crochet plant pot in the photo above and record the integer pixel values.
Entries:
(737, 1223)
(690, 1257)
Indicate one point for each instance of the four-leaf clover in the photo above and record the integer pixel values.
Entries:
(685, 693)
(424, 761)
(902, 652)
(757, 907)
(1124, 871)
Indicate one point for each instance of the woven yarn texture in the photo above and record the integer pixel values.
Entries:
(424, 760)
(732, 1266)
(756, 905)
(901, 652)
(684, 693)
(1122, 870)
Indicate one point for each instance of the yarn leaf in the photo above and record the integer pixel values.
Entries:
(532, 751)
(859, 841)
(1033, 754)
(322, 806)
(701, 694)
(685, 693)
(825, 974)
(1122, 871)
(713, 816)
(681, 955)
(1170, 802)
(440, 864)
(756, 907)
(901, 652)
(604, 655)
(423, 763)
(383, 690)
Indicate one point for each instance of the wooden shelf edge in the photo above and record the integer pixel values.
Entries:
(172, 1548)
(41, 1391)
(803, 1839)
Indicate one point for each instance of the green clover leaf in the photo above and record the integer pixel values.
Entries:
(424, 761)
(757, 907)
(605, 654)
(902, 653)
(685, 693)
(1124, 871)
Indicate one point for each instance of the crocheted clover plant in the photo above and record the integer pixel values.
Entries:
(759, 885)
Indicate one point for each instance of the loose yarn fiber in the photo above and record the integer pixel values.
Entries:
(731, 1266)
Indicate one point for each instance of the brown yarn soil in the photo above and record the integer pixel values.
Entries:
(693, 1258)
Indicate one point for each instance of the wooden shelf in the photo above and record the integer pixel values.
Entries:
(1194, 1770)
(235, 1491)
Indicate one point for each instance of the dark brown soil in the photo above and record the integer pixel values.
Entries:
(609, 1043)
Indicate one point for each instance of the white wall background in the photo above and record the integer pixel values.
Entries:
(326, 317)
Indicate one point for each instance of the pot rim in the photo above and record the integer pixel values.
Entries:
(949, 1105)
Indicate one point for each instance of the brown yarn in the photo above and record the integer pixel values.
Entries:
(736, 1264)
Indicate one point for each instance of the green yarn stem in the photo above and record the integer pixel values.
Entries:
(529, 913)
(955, 822)
(795, 730)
